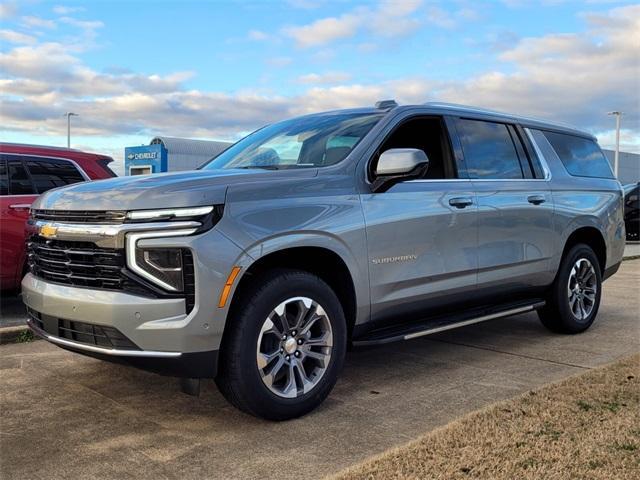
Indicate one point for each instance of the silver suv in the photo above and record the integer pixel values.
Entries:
(349, 227)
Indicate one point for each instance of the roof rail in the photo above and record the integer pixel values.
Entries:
(486, 111)
(386, 104)
(467, 108)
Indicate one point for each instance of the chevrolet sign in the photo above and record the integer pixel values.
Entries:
(48, 231)
(143, 156)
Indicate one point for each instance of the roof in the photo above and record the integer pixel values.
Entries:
(187, 146)
(530, 121)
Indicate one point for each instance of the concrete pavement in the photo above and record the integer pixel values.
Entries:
(66, 416)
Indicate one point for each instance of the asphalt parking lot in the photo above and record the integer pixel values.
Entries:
(66, 416)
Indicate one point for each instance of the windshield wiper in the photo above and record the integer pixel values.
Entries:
(263, 167)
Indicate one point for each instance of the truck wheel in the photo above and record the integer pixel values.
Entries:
(574, 299)
(285, 345)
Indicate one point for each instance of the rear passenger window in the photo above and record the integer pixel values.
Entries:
(19, 181)
(48, 174)
(489, 151)
(581, 156)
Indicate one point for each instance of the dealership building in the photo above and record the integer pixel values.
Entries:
(170, 154)
(628, 166)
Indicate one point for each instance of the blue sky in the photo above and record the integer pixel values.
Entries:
(220, 69)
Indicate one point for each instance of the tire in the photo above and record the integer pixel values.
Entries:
(579, 275)
(254, 345)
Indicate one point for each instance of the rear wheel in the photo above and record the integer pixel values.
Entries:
(285, 347)
(574, 298)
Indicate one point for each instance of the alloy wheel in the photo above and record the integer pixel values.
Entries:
(294, 347)
(582, 289)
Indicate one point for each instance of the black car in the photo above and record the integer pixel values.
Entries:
(632, 211)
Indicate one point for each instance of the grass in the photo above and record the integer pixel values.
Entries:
(25, 336)
(585, 427)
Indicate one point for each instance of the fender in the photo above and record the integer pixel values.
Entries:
(284, 241)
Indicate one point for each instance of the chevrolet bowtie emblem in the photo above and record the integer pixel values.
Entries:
(48, 231)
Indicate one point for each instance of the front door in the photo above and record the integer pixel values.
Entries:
(421, 234)
(421, 238)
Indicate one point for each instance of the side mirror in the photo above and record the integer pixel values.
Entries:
(399, 164)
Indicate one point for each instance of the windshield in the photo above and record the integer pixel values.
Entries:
(311, 141)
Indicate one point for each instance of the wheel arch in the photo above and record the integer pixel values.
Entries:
(592, 237)
(318, 260)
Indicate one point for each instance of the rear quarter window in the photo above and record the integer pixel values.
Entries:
(581, 157)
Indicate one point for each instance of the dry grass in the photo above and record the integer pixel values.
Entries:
(586, 427)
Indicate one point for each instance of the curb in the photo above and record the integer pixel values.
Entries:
(11, 334)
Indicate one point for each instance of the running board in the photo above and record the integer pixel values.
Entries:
(429, 328)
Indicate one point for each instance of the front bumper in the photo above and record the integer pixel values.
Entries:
(167, 338)
(64, 310)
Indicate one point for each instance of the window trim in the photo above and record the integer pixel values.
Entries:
(50, 157)
(544, 131)
(509, 127)
(447, 141)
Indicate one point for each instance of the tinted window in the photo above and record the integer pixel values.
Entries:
(581, 156)
(489, 150)
(19, 181)
(48, 174)
(4, 181)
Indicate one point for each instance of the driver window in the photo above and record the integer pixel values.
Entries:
(428, 135)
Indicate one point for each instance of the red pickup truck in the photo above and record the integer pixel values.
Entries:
(25, 172)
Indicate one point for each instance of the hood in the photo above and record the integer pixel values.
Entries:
(167, 190)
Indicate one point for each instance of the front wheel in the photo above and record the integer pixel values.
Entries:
(574, 299)
(285, 346)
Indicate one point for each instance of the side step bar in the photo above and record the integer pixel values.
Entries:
(414, 331)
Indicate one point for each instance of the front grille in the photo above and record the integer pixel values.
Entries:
(81, 332)
(80, 216)
(76, 263)
(83, 264)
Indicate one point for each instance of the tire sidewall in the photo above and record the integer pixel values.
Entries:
(561, 300)
(280, 288)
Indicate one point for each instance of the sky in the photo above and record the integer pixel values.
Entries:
(218, 70)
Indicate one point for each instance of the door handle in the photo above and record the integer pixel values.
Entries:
(536, 199)
(460, 202)
(20, 206)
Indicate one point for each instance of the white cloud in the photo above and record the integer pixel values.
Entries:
(279, 61)
(324, 78)
(257, 35)
(325, 30)
(390, 18)
(12, 36)
(84, 24)
(574, 78)
(440, 17)
(8, 9)
(66, 10)
(37, 22)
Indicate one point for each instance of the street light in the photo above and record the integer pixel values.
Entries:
(616, 157)
(69, 115)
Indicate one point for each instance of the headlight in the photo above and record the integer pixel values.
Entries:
(164, 265)
(207, 216)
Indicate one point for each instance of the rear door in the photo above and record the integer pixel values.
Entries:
(16, 195)
(515, 207)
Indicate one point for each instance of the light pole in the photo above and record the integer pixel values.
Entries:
(616, 157)
(69, 115)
